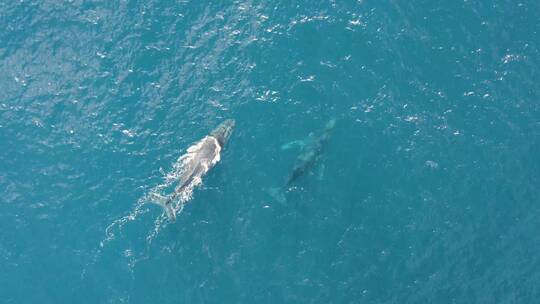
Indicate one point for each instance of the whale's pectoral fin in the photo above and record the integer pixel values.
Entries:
(165, 203)
(320, 174)
(293, 144)
(158, 199)
(301, 143)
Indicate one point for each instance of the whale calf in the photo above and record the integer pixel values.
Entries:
(312, 148)
(192, 166)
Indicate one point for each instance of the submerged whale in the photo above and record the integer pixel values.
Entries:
(192, 166)
(311, 152)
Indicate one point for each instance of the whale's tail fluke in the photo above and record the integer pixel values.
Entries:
(278, 194)
(166, 203)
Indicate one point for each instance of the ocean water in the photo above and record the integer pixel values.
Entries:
(427, 190)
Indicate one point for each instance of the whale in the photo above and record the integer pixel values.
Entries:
(191, 167)
(311, 151)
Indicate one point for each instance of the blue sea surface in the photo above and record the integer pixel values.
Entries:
(427, 190)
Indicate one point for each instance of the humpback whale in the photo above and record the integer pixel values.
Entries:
(311, 152)
(192, 166)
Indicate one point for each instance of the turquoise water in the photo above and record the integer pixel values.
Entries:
(426, 192)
